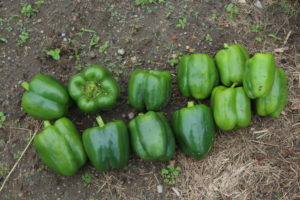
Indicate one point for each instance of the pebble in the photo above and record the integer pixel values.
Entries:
(130, 115)
(133, 59)
(159, 188)
(121, 52)
(258, 4)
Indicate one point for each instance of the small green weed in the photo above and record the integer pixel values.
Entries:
(17, 155)
(2, 39)
(144, 2)
(103, 47)
(2, 119)
(274, 37)
(231, 9)
(182, 22)
(87, 178)
(3, 170)
(23, 37)
(173, 62)
(28, 10)
(289, 8)
(39, 2)
(208, 38)
(1, 142)
(55, 54)
(257, 28)
(94, 41)
(258, 39)
(170, 173)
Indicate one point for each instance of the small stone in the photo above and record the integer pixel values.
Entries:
(174, 55)
(121, 52)
(63, 35)
(187, 47)
(159, 188)
(133, 59)
(130, 115)
(258, 4)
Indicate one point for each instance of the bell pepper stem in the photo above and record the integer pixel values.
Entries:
(47, 123)
(233, 85)
(25, 85)
(100, 121)
(190, 104)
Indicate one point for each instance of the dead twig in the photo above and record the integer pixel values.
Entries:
(16, 164)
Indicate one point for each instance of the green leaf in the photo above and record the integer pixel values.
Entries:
(104, 47)
(2, 39)
(274, 37)
(55, 54)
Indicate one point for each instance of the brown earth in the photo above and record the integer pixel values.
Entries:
(258, 162)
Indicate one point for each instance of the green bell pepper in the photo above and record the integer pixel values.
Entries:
(194, 129)
(150, 90)
(259, 75)
(197, 75)
(107, 145)
(274, 102)
(231, 107)
(231, 63)
(60, 147)
(94, 89)
(152, 137)
(45, 98)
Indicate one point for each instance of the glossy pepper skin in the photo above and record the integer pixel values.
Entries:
(197, 75)
(45, 98)
(60, 147)
(274, 102)
(231, 63)
(259, 75)
(94, 89)
(107, 145)
(151, 137)
(194, 129)
(150, 90)
(231, 107)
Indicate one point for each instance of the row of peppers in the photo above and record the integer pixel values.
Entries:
(152, 138)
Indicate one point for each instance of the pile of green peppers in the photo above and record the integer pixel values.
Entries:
(232, 80)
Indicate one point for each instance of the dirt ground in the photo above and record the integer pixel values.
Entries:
(258, 162)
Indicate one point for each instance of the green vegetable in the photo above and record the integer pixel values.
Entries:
(274, 102)
(259, 75)
(194, 129)
(231, 107)
(197, 75)
(231, 63)
(107, 145)
(45, 98)
(60, 147)
(152, 137)
(94, 89)
(149, 90)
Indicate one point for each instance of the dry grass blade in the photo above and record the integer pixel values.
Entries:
(18, 161)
